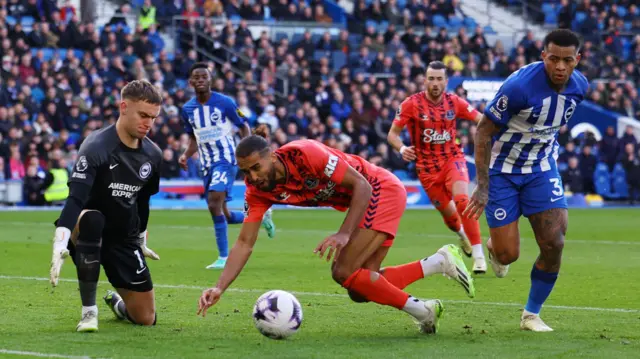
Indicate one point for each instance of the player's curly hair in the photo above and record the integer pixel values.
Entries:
(563, 38)
(257, 142)
(141, 91)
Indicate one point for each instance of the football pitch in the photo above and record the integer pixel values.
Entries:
(594, 309)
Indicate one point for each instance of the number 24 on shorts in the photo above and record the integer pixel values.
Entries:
(218, 177)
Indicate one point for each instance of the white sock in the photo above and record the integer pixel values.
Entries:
(92, 308)
(415, 308)
(432, 265)
(476, 249)
(526, 312)
(461, 232)
(223, 258)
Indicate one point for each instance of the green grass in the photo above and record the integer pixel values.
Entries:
(601, 260)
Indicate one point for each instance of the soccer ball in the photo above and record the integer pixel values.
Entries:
(277, 314)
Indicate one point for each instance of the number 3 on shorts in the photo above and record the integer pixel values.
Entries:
(218, 177)
(558, 190)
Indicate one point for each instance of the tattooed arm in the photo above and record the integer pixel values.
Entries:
(486, 130)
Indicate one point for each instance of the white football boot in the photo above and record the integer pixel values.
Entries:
(533, 323)
(89, 322)
(430, 323)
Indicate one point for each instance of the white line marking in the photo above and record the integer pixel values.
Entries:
(320, 294)
(569, 240)
(42, 355)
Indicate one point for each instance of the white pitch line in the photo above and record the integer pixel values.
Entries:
(42, 355)
(320, 294)
(569, 240)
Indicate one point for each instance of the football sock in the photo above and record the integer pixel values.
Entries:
(375, 288)
(220, 227)
(415, 307)
(235, 217)
(432, 265)
(87, 256)
(403, 275)
(476, 251)
(453, 222)
(471, 226)
(541, 286)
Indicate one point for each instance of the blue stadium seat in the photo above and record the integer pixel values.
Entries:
(627, 26)
(455, 21)
(181, 83)
(27, 21)
(548, 8)
(580, 16)
(622, 11)
(620, 187)
(470, 22)
(401, 174)
(602, 182)
(280, 36)
(318, 54)
(11, 21)
(439, 21)
(339, 59)
(550, 18)
(371, 23)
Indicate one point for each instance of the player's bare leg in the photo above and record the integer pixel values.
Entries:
(87, 240)
(215, 203)
(348, 271)
(137, 307)
(550, 228)
(471, 226)
(451, 218)
(503, 247)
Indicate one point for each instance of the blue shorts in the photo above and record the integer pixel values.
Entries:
(512, 195)
(219, 178)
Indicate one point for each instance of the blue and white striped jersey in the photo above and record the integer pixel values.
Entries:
(212, 125)
(530, 114)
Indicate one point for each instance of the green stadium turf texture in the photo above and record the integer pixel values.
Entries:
(594, 309)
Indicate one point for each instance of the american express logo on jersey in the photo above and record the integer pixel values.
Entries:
(208, 134)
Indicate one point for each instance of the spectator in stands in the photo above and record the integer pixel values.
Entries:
(609, 148)
(631, 164)
(572, 177)
(34, 186)
(564, 136)
(269, 118)
(16, 167)
(170, 167)
(628, 138)
(588, 164)
(4, 170)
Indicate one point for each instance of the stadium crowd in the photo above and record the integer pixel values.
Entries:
(51, 100)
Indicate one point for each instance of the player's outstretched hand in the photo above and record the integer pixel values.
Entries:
(478, 201)
(334, 243)
(409, 154)
(182, 160)
(208, 298)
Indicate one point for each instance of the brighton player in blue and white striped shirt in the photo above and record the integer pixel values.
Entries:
(209, 119)
(516, 152)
